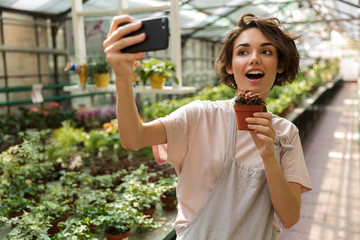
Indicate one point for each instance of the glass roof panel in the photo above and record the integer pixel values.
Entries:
(213, 18)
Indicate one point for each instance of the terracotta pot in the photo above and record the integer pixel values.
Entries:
(149, 212)
(169, 203)
(101, 80)
(157, 81)
(245, 111)
(92, 228)
(54, 229)
(124, 236)
(13, 215)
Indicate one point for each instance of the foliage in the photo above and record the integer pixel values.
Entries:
(30, 226)
(155, 66)
(75, 229)
(279, 100)
(14, 203)
(99, 65)
(246, 97)
(120, 217)
(168, 185)
(52, 210)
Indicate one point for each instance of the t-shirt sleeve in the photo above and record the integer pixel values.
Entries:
(293, 162)
(177, 125)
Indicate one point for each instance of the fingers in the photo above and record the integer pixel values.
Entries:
(115, 40)
(117, 21)
(123, 43)
(261, 123)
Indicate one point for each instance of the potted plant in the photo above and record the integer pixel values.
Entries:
(30, 226)
(100, 69)
(55, 212)
(15, 206)
(74, 229)
(120, 217)
(168, 197)
(157, 71)
(245, 104)
(143, 197)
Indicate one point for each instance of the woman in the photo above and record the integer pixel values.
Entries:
(231, 183)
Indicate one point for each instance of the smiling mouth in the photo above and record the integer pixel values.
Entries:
(255, 75)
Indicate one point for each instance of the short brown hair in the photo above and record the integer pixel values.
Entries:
(288, 56)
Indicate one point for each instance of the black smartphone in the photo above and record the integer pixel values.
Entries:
(157, 35)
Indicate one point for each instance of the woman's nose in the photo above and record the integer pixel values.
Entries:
(255, 59)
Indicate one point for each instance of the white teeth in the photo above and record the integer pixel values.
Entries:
(255, 72)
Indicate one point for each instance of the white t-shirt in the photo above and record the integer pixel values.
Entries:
(196, 147)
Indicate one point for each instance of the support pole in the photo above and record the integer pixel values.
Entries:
(175, 39)
(78, 32)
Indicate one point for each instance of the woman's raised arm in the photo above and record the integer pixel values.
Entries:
(133, 134)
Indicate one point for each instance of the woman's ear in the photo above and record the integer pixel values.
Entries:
(229, 69)
(280, 70)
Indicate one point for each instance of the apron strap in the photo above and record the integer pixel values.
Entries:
(231, 134)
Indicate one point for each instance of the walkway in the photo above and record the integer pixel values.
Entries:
(331, 211)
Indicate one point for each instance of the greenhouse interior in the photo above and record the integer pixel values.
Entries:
(65, 173)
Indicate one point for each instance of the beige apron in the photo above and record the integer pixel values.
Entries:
(239, 206)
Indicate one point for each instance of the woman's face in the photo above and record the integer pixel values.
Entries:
(254, 62)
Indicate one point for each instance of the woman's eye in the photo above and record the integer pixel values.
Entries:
(242, 52)
(267, 52)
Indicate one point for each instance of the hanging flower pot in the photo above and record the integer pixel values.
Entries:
(157, 81)
(124, 236)
(101, 79)
(246, 104)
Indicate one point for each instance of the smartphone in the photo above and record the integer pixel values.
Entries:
(157, 35)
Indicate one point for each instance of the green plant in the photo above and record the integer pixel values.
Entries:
(168, 185)
(99, 65)
(52, 210)
(120, 217)
(75, 229)
(142, 196)
(63, 194)
(154, 66)
(246, 97)
(30, 226)
(72, 179)
(15, 203)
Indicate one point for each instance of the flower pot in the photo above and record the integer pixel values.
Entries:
(92, 228)
(168, 203)
(124, 236)
(149, 212)
(54, 229)
(245, 111)
(101, 79)
(157, 81)
(83, 80)
(13, 215)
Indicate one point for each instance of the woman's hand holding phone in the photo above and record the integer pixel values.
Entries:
(122, 63)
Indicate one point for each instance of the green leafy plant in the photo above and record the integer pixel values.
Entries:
(30, 226)
(75, 229)
(99, 65)
(120, 217)
(52, 210)
(142, 196)
(168, 185)
(154, 66)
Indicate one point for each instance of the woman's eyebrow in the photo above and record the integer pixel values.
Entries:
(248, 45)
